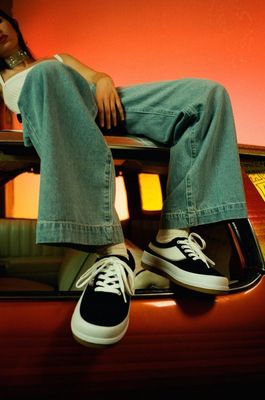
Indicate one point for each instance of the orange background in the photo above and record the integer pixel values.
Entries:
(138, 41)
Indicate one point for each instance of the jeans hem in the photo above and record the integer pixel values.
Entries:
(67, 232)
(189, 219)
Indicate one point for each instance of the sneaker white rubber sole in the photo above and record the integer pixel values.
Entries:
(198, 282)
(94, 335)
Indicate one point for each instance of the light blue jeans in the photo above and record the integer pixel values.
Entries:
(193, 117)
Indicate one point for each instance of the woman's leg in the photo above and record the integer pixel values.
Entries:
(77, 195)
(76, 204)
(194, 118)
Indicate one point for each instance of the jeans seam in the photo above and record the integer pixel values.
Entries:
(107, 190)
(32, 130)
(189, 186)
(77, 224)
(186, 110)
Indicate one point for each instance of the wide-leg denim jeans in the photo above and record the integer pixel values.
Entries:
(193, 117)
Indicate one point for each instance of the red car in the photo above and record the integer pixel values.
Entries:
(178, 343)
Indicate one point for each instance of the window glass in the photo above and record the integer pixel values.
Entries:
(151, 194)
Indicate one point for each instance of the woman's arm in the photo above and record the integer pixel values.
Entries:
(107, 98)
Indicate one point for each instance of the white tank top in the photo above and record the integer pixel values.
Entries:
(13, 86)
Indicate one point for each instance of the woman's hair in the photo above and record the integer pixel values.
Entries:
(21, 41)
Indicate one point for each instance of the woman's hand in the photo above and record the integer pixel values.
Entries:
(108, 102)
(107, 98)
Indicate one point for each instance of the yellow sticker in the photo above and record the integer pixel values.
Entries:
(258, 179)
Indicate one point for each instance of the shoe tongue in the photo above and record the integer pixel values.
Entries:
(184, 235)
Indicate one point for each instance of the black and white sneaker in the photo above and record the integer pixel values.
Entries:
(183, 262)
(101, 316)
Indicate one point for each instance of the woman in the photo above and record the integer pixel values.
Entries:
(63, 104)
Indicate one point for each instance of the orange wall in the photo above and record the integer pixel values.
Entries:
(137, 41)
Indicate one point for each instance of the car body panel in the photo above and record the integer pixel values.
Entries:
(172, 342)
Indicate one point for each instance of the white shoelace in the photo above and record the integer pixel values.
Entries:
(114, 276)
(194, 249)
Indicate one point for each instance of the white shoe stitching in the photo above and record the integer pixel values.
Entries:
(112, 277)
